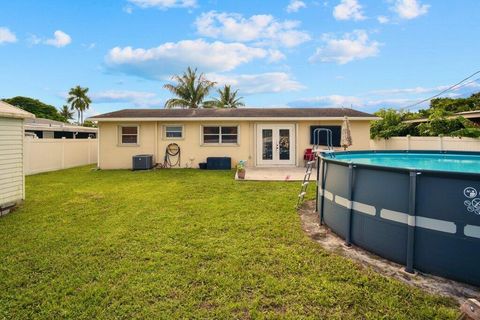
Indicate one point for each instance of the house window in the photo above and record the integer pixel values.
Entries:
(220, 134)
(129, 135)
(336, 134)
(174, 132)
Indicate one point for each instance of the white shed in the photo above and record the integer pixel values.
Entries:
(12, 177)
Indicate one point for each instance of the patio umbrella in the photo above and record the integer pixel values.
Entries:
(346, 139)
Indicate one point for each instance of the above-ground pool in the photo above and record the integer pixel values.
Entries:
(420, 209)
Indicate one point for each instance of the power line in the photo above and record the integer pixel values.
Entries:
(467, 83)
(444, 91)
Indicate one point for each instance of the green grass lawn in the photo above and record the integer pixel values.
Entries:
(181, 244)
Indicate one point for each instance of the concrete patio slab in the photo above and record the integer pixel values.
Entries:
(276, 174)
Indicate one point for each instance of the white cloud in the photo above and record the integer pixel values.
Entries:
(262, 29)
(164, 4)
(295, 5)
(462, 89)
(348, 10)
(137, 98)
(386, 98)
(327, 101)
(415, 90)
(352, 46)
(383, 19)
(173, 57)
(275, 55)
(89, 46)
(7, 36)
(128, 9)
(60, 39)
(410, 9)
(269, 82)
(365, 103)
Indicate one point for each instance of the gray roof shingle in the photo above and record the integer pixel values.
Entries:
(235, 113)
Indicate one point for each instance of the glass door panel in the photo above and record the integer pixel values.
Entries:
(284, 144)
(267, 144)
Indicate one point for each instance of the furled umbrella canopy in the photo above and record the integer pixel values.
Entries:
(346, 139)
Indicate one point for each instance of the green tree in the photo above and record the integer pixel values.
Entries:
(227, 98)
(442, 122)
(390, 125)
(66, 113)
(190, 90)
(452, 105)
(90, 124)
(38, 108)
(79, 101)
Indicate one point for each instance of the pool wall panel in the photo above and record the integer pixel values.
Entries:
(446, 251)
(446, 237)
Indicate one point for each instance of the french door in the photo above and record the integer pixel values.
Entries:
(275, 144)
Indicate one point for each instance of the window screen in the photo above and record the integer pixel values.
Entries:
(336, 134)
(129, 135)
(174, 132)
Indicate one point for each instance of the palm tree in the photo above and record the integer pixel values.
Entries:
(66, 113)
(191, 89)
(228, 98)
(78, 99)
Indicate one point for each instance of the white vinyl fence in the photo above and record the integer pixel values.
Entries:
(426, 143)
(42, 155)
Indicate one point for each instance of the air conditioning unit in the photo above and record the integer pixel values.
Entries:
(142, 162)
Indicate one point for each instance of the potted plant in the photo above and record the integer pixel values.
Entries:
(241, 169)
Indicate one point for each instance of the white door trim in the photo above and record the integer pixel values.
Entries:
(276, 161)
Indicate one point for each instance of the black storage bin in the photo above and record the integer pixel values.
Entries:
(142, 162)
(219, 163)
(202, 165)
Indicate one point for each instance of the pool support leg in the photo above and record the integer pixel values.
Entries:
(322, 191)
(316, 188)
(411, 222)
(348, 237)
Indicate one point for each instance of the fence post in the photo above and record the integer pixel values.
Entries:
(63, 152)
(440, 140)
(408, 142)
(88, 147)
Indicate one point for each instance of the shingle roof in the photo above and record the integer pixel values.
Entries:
(235, 113)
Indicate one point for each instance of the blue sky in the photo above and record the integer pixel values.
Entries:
(364, 53)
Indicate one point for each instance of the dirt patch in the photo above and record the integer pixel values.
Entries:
(330, 241)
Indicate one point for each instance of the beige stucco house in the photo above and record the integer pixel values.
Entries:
(262, 137)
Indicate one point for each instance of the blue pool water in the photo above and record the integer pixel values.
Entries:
(422, 161)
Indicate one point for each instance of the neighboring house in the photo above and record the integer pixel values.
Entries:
(12, 177)
(262, 137)
(51, 129)
(473, 116)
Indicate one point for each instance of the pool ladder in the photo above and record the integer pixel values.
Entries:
(311, 163)
(305, 182)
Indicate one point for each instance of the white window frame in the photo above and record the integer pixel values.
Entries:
(120, 135)
(173, 138)
(219, 143)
